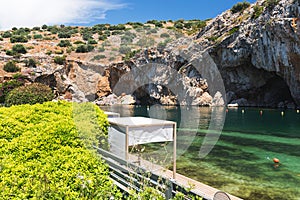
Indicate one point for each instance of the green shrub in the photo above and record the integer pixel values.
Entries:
(60, 60)
(7, 86)
(6, 34)
(64, 35)
(102, 37)
(18, 38)
(30, 62)
(79, 42)
(233, 30)
(257, 11)
(212, 38)
(37, 36)
(98, 57)
(64, 43)
(9, 52)
(164, 35)
(44, 27)
(124, 49)
(156, 23)
(84, 48)
(19, 48)
(146, 42)
(240, 6)
(29, 94)
(101, 49)
(43, 154)
(270, 4)
(11, 66)
(60, 51)
(92, 41)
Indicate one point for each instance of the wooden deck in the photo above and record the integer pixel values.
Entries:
(197, 187)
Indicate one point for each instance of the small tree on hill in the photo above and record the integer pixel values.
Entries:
(11, 67)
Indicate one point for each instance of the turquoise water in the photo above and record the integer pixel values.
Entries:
(241, 161)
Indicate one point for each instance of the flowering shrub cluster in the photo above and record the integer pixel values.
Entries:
(42, 155)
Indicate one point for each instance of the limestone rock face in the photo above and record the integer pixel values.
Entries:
(259, 58)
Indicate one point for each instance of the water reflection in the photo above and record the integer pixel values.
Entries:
(239, 161)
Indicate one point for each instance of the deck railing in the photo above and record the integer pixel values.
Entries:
(128, 176)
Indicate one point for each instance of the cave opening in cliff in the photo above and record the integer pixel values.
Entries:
(151, 94)
(275, 93)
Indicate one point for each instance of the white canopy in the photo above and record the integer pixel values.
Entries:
(128, 131)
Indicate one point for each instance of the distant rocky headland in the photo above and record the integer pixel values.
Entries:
(251, 51)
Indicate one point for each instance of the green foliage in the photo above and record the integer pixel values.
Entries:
(60, 60)
(44, 27)
(43, 156)
(233, 30)
(102, 37)
(128, 38)
(64, 43)
(7, 86)
(79, 42)
(270, 4)
(163, 44)
(30, 62)
(212, 38)
(98, 57)
(146, 42)
(11, 66)
(240, 6)
(6, 34)
(37, 36)
(19, 48)
(155, 22)
(101, 49)
(257, 11)
(64, 34)
(9, 52)
(117, 27)
(131, 54)
(36, 28)
(29, 94)
(18, 38)
(124, 49)
(87, 36)
(84, 48)
(92, 41)
(164, 35)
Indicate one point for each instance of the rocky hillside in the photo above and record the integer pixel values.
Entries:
(257, 51)
(247, 55)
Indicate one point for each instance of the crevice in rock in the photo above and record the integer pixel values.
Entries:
(151, 94)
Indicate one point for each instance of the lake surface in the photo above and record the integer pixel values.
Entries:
(244, 141)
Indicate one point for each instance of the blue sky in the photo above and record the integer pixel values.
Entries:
(142, 11)
(30, 13)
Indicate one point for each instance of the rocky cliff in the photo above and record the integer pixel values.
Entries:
(258, 53)
(250, 56)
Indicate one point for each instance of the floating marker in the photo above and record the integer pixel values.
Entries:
(297, 111)
(282, 113)
(276, 160)
(243, 111)
(261, 112)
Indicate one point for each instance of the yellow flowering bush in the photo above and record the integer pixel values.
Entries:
(43, 154)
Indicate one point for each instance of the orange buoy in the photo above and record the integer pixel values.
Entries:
(276, 160)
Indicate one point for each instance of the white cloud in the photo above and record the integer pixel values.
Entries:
(29, 13)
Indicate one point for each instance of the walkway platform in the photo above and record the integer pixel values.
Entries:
(203, 190)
